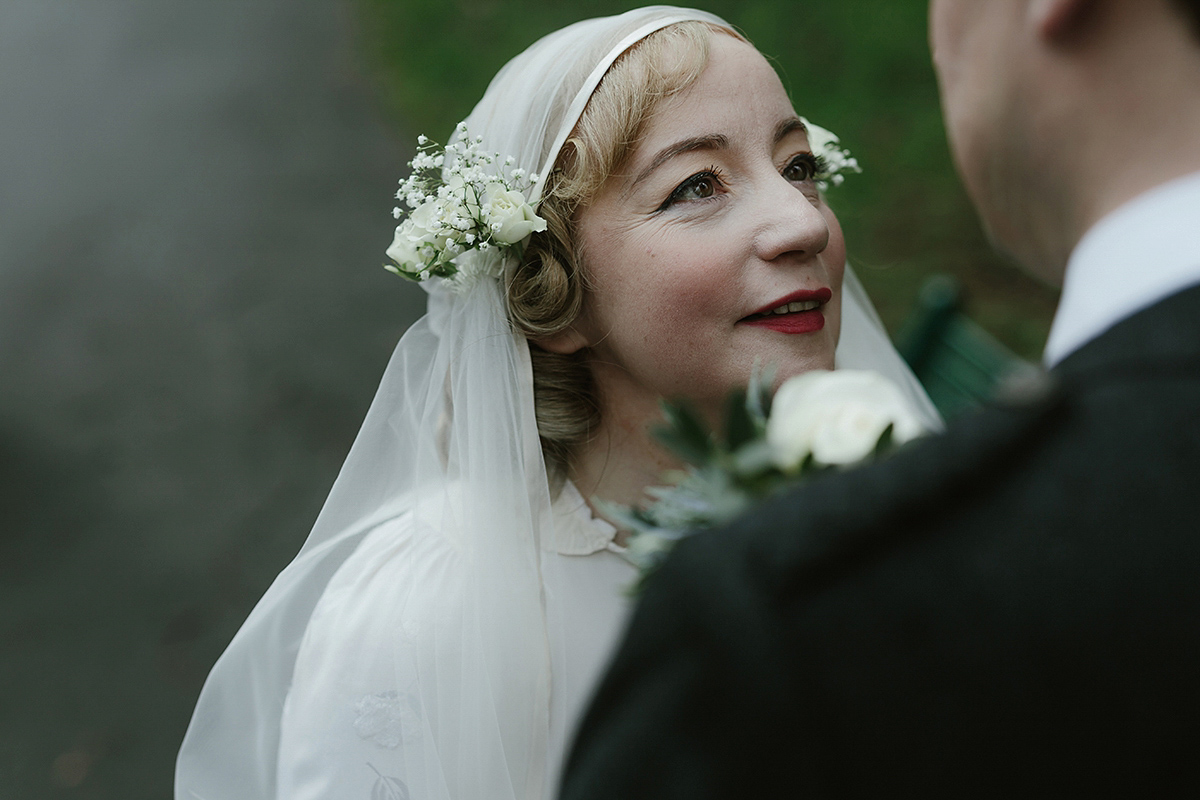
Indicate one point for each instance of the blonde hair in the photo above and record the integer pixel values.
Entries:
(545, 293)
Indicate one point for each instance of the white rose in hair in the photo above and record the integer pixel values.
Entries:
(404, 248)
(426, 218)
(508, 216)
(433, 223)
(464, 218)
(838, 417)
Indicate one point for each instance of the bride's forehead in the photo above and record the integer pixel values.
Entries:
(738, 85)
(736, 74)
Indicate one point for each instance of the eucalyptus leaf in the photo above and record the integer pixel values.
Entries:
(740, 426)
(886, 442)
(758, 394)
(753, 459)
(684, 434)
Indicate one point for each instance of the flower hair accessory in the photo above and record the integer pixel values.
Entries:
(836, 160)
(466, 207)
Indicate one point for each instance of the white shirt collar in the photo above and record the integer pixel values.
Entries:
(1135, 256)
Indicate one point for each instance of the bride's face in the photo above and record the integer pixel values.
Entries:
(713, 223)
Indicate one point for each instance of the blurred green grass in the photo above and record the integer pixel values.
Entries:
(858, 67)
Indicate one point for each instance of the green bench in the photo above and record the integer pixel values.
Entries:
(960, 364)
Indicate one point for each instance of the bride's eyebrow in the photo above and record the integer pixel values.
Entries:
(788, 126)
(714, 141)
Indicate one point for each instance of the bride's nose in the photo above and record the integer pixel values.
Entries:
(788, 223)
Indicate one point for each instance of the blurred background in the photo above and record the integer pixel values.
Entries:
(196, 198)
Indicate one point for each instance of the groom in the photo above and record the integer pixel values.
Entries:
(1011, 609)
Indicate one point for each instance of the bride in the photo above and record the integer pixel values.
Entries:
(438, 633)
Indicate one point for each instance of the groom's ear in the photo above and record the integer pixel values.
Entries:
(1056, 20)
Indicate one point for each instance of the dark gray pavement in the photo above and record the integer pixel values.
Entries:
(194, 204)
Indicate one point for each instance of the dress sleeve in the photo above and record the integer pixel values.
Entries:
(389, 700)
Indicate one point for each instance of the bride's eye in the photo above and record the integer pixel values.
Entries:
(700, 186)
(804, 167)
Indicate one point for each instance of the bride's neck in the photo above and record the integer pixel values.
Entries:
(622, 458)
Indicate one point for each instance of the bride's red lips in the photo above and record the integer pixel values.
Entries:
(793, 322)
(822, 296)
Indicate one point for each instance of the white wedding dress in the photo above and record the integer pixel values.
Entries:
(440, 630)
(351, 717)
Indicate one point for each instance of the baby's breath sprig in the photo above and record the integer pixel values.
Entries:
(460, 200)
(836, 160)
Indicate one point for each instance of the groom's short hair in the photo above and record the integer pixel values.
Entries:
(1191, 10)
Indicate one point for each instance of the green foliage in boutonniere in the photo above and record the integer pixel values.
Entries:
(815, 422)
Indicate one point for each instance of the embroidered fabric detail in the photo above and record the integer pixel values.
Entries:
(388, 788)
(387, 719)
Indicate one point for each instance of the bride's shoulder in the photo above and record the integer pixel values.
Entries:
(405, 577)
(406, 565)
(415, 538)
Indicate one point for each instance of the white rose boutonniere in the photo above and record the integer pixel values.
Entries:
(837, 417)
(815, 422)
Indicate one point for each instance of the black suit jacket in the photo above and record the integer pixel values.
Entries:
(1011, 609)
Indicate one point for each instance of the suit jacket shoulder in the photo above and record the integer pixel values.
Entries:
(842, 515)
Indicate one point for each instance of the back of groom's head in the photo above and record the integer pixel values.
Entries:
(1191, 10)
(1059, 111)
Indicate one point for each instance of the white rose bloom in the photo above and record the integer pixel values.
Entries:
(426, 219)
(836, 416)
(432, 223)
(508, 215)
(404, 245)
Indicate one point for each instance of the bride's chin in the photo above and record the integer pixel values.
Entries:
(801, 363)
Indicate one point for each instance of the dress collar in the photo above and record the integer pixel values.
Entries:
(577, 531)
(1135, 256)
